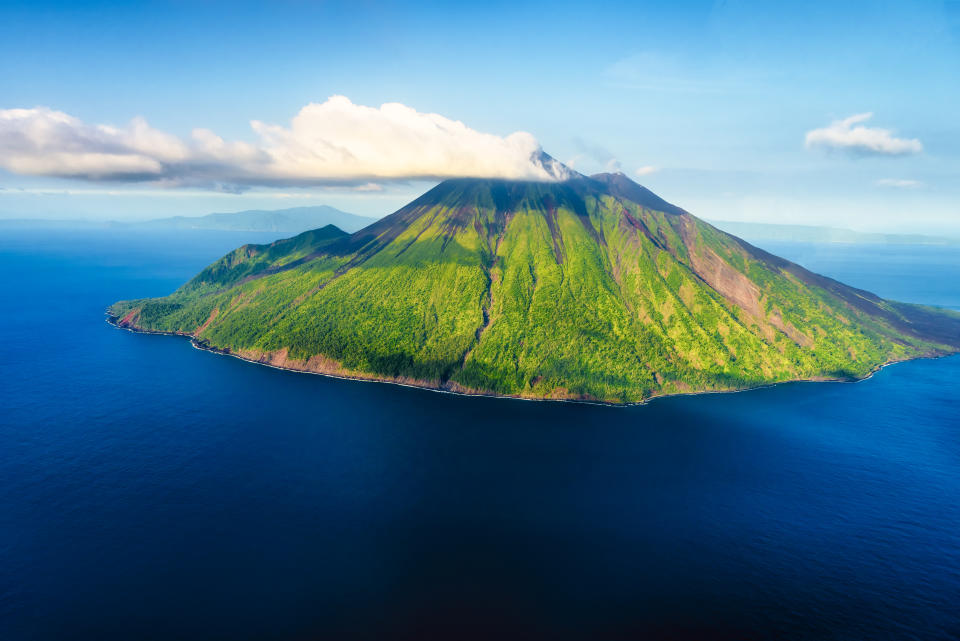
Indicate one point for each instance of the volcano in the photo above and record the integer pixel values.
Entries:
(588, 288)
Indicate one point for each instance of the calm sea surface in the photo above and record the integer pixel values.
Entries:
(149, 490)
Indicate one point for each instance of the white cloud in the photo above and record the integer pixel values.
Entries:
(43, 141)
(849, 135)
(646, 170)
(899, 183)
(333, 142)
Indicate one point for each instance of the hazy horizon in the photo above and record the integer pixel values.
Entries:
(367, 210)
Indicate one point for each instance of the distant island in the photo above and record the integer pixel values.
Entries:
(593, 288)
(293, 220)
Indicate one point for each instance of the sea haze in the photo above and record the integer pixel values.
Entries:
(149, 490)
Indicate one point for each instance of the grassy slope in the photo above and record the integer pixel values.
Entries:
(540, 292)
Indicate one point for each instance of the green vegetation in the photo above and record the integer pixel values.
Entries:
(591, 289)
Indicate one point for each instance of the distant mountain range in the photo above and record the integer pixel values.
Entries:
(286, 221)
(294, 220)
(591, 288)
(761, 232)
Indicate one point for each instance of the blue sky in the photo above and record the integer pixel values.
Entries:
(711, 101)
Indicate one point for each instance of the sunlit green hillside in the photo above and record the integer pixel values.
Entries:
(593, 288)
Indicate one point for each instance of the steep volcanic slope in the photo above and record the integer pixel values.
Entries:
(591, 288)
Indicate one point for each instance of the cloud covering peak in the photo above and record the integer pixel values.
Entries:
(333, 142)
(849, 135)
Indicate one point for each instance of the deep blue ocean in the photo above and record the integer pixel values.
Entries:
(149, 490)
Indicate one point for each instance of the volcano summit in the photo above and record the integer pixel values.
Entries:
(591, 288)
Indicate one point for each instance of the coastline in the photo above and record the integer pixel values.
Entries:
(114, 321)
